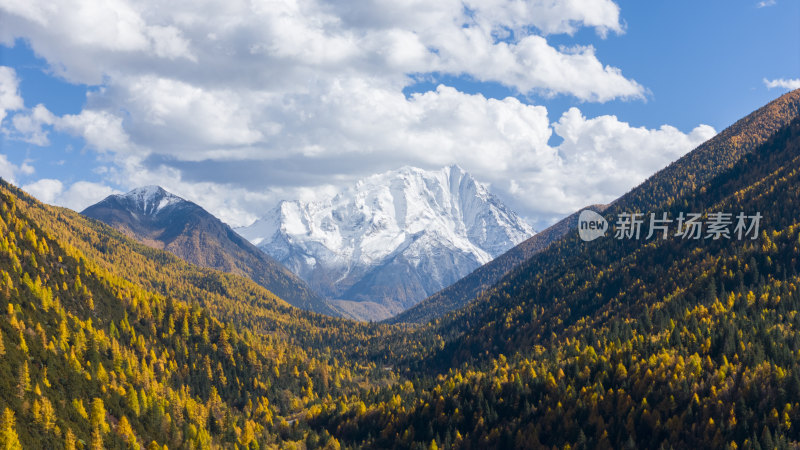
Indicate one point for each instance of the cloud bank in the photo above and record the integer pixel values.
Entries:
(239, 104)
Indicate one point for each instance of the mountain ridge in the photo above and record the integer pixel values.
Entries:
(700, 164)
(165, 221)
(486, 276)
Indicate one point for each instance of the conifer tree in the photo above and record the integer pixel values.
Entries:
(124, 429)
(97, 439)
(69, 440)
(22, 344)
(44, 413)
(9, 440)
(24, 380)
(99, 415)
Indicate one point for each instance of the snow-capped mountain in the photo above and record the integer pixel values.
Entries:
(392, 239)
(148, 200)
(162, 220)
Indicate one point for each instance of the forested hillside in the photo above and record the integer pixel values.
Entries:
(114, 344)
(625, 343)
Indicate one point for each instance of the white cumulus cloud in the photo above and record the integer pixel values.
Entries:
(783, 83)
(7, 169)
(77, 196)
(10, 99)
(46, 189)
(31, 126)
(502, 142)
(285, 45)
(101, 130)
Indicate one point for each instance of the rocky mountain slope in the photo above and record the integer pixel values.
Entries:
(486, 276)
(391, 240)
(165, 221)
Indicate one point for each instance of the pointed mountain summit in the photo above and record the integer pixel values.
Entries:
(148, 200)
(391, 239)
(162, 220)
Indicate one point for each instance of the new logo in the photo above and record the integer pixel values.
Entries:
(591, 225)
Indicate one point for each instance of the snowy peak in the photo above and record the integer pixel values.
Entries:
(430, 227)
(149, 200)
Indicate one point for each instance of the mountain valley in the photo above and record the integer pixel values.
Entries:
(555, 343)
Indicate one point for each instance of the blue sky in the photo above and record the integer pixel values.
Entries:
(236, 107)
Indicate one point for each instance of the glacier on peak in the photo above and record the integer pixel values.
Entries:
(392, 238)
